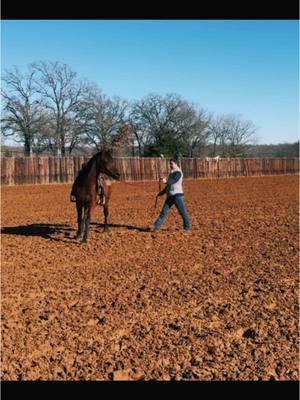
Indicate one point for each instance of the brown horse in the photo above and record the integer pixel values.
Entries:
(85, 189)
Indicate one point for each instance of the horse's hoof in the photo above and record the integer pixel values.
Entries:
(84, 240)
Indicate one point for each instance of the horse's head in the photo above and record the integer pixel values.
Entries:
(108, 164)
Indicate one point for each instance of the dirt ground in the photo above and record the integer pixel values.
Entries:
(217, 303)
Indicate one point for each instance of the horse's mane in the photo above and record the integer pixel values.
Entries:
(88, 166)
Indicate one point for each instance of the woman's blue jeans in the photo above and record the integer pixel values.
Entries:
(178, 200)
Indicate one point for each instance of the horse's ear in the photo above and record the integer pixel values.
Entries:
(103, 148)
(108, 152)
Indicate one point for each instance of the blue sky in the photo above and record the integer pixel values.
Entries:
(245, 67)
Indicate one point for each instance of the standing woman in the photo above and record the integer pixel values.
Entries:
(175, 196)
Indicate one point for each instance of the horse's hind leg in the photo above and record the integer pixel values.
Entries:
(80, 221)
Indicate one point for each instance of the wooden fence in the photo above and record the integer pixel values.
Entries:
(44, 170)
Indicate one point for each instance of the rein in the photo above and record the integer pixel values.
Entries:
(133, 183)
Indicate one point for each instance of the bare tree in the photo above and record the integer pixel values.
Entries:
(50, 109)
(152, 119)
(21, 108)
(239, 135)
(191, 125)
(62, 92)
(103, 119)
(217, 132)
(140, 128)
(167, 124)
(46, 140)
(232, 135)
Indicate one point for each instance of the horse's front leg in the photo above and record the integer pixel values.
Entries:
(106, 214)
(80, 221)
(87, 218)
